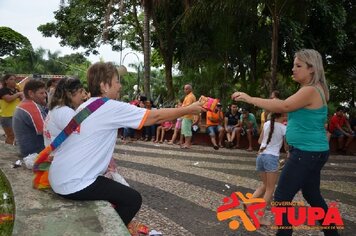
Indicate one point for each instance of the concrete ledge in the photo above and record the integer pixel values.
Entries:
(45, 213)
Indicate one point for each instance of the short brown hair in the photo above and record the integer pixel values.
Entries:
(33, 85)
(100, 72)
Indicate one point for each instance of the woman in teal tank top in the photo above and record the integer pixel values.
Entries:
(306, 135)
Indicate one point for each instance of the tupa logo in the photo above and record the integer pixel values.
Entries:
(254, 205)
(306, 217)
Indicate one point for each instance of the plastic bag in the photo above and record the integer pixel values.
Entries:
(30, 160)
(209, 103)
(118, 178)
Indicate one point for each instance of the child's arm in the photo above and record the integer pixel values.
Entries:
(261, 137)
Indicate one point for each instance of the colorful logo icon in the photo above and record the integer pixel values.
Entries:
(240, 208)
(253, 206)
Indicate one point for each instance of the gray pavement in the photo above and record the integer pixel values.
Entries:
(182, 189)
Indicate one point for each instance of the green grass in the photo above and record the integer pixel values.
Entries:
(7, 206)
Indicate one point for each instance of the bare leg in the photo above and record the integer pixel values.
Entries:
(237, 132)
(181, 139)
(249, 138)
(163, 133)
(213, 141)
(260, 191)
(174, 137)
(228, 136)
(158, 132)
(271, 180)
(221, 136)
(10, 136)
(188, 142)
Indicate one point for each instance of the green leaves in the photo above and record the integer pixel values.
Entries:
(11, 42)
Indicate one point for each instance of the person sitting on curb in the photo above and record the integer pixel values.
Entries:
(29, 118)
(177, 127)
(339, 127)
(247, 125)
(214, 122)
(67, 97)
(231, 123)
(161, 131)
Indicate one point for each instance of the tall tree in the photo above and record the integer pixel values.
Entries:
(167, 33)
(11, 42)
(147, 10)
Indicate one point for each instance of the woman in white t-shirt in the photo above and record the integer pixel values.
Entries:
(67, 97)
(81, 160)
(267, 162)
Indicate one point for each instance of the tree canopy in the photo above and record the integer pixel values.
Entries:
(11, 42)
(220, 45)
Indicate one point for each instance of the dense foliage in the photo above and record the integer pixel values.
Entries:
(220, 45)
(11, 42)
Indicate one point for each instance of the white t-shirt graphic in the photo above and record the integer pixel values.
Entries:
(56, 120)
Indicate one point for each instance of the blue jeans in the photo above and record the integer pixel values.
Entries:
(213, 130)
(267, 163)
(150, 131)
(129, 132)
(302, 171)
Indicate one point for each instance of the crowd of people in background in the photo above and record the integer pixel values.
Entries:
(225, 126)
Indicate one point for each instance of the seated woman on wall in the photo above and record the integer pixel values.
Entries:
(66, 98)
(79, 163)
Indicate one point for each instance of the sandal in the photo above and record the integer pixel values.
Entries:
(137, 229)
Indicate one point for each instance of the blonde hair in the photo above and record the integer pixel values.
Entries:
(313, 59)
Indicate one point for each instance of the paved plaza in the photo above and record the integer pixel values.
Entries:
(182, 189)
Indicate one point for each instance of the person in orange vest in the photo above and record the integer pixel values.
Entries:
(214, 124)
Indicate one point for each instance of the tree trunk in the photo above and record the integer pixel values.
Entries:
(166, 48)
(274, 52)
(168, 78)
(146, 53)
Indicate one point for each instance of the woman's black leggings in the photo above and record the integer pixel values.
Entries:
(126, 201)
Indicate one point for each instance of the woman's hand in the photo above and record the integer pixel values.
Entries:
(20, 95)
(197, 107)
(240, 96)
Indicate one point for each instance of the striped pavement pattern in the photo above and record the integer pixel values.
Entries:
(182, 189)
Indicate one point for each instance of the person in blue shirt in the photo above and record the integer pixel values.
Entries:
(28, 118)
(306, 135)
